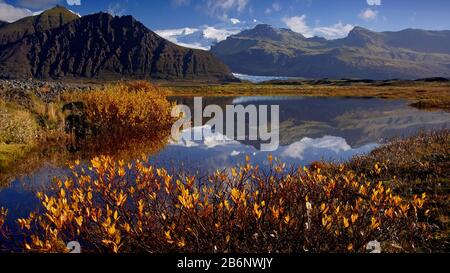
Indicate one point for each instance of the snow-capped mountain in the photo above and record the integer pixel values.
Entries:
(203, 37)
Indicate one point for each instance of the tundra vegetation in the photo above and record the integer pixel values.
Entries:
(397, 195)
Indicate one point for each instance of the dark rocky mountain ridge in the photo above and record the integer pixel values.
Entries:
(407, 54)
(107, 47)
(49, 19)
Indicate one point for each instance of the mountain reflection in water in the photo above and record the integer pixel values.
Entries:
(311, 129)
(216, 151)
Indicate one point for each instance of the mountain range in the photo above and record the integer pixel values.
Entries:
(60, 44)
(268, 51)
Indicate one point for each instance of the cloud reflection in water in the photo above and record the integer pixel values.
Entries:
(217, 151)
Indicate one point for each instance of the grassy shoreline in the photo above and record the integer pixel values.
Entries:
(429, 96)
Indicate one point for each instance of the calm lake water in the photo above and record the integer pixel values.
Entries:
(310, 129)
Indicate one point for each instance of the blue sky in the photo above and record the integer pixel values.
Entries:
(331, 19)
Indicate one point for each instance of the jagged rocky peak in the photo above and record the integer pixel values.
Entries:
(360, 36)
(357, 30)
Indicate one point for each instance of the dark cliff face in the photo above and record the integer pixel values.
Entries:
(107, 47)
(269, 51)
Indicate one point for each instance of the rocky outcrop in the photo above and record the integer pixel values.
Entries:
(21, 91)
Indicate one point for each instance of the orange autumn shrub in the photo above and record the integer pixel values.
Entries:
(131, 109)
(113, 206)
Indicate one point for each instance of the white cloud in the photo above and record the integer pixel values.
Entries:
(326, 143)
(299, 25)
(374, 2)
(368, 15)
(234, 21)
(335, 31)
(10, 13)
(235, 153)
(274, 8)
(210, 139)
(215, 147)
(36, 5)
(216, 8)
(74, 2)
(175, 32)
(217, 34)
(179, 3)
(221, 8)
(115, 9)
